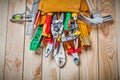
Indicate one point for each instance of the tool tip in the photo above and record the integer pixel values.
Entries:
(76, 61)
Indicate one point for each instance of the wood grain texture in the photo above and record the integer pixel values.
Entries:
(101, 62)
(15, 43)
(70, 70)
(50, 70)
(32, 59)
(83, 66)
(3, 27)
(117, 21)
(89, 59)
(32, 62)
(107, 43)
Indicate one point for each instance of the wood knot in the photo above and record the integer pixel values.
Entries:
(17, 62)
(37, 72)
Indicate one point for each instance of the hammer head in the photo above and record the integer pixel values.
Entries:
(96, 19)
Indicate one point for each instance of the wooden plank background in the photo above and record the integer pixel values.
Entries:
(3, 31)
(17, 62)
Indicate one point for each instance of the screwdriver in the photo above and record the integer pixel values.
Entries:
(37, 38)
(37, 18)
(47, 24)
(67, 21)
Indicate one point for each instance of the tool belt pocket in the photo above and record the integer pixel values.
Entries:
(47, 6)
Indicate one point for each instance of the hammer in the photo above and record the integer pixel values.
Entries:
(96, 17)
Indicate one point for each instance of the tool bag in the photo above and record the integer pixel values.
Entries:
(49, 6)
(59, 6)
(58, 25)
(74, 6)
(56, 36)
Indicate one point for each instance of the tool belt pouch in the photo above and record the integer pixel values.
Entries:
(47, 6)
(50, 6)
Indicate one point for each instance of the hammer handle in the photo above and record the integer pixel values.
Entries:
(91, 6)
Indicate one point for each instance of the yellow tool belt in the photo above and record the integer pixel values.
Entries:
(48, 6)
(59, 6)
(73, 6)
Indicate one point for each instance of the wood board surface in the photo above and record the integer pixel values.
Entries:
(107, 43)
(17, 62)
(3, 27)
(15, 43)
(117, 21)
(32, 59)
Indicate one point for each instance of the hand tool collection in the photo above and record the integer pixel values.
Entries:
(61, 28)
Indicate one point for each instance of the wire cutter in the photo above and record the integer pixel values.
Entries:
(59, 55)
(57, 27)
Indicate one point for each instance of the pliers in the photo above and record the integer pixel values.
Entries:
(60, 56)
(56, 30)
(49, 46)
(57, 26)
(74, 51)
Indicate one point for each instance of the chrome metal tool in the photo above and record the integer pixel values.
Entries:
(59, 55)
(96, 17)
(33, 15)
(57, 27)
(49, 46)
(56, 30)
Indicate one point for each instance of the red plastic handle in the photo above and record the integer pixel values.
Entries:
(78, 50)
(57, 44)
(48, 40)
(37, 17)
(70, 51)
(47, 25)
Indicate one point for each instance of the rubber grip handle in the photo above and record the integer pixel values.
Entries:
(47, 25)
(67, 21)
(48, 40)
(37, 17)
(57, 44)
(77, 50)
(70, 51)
